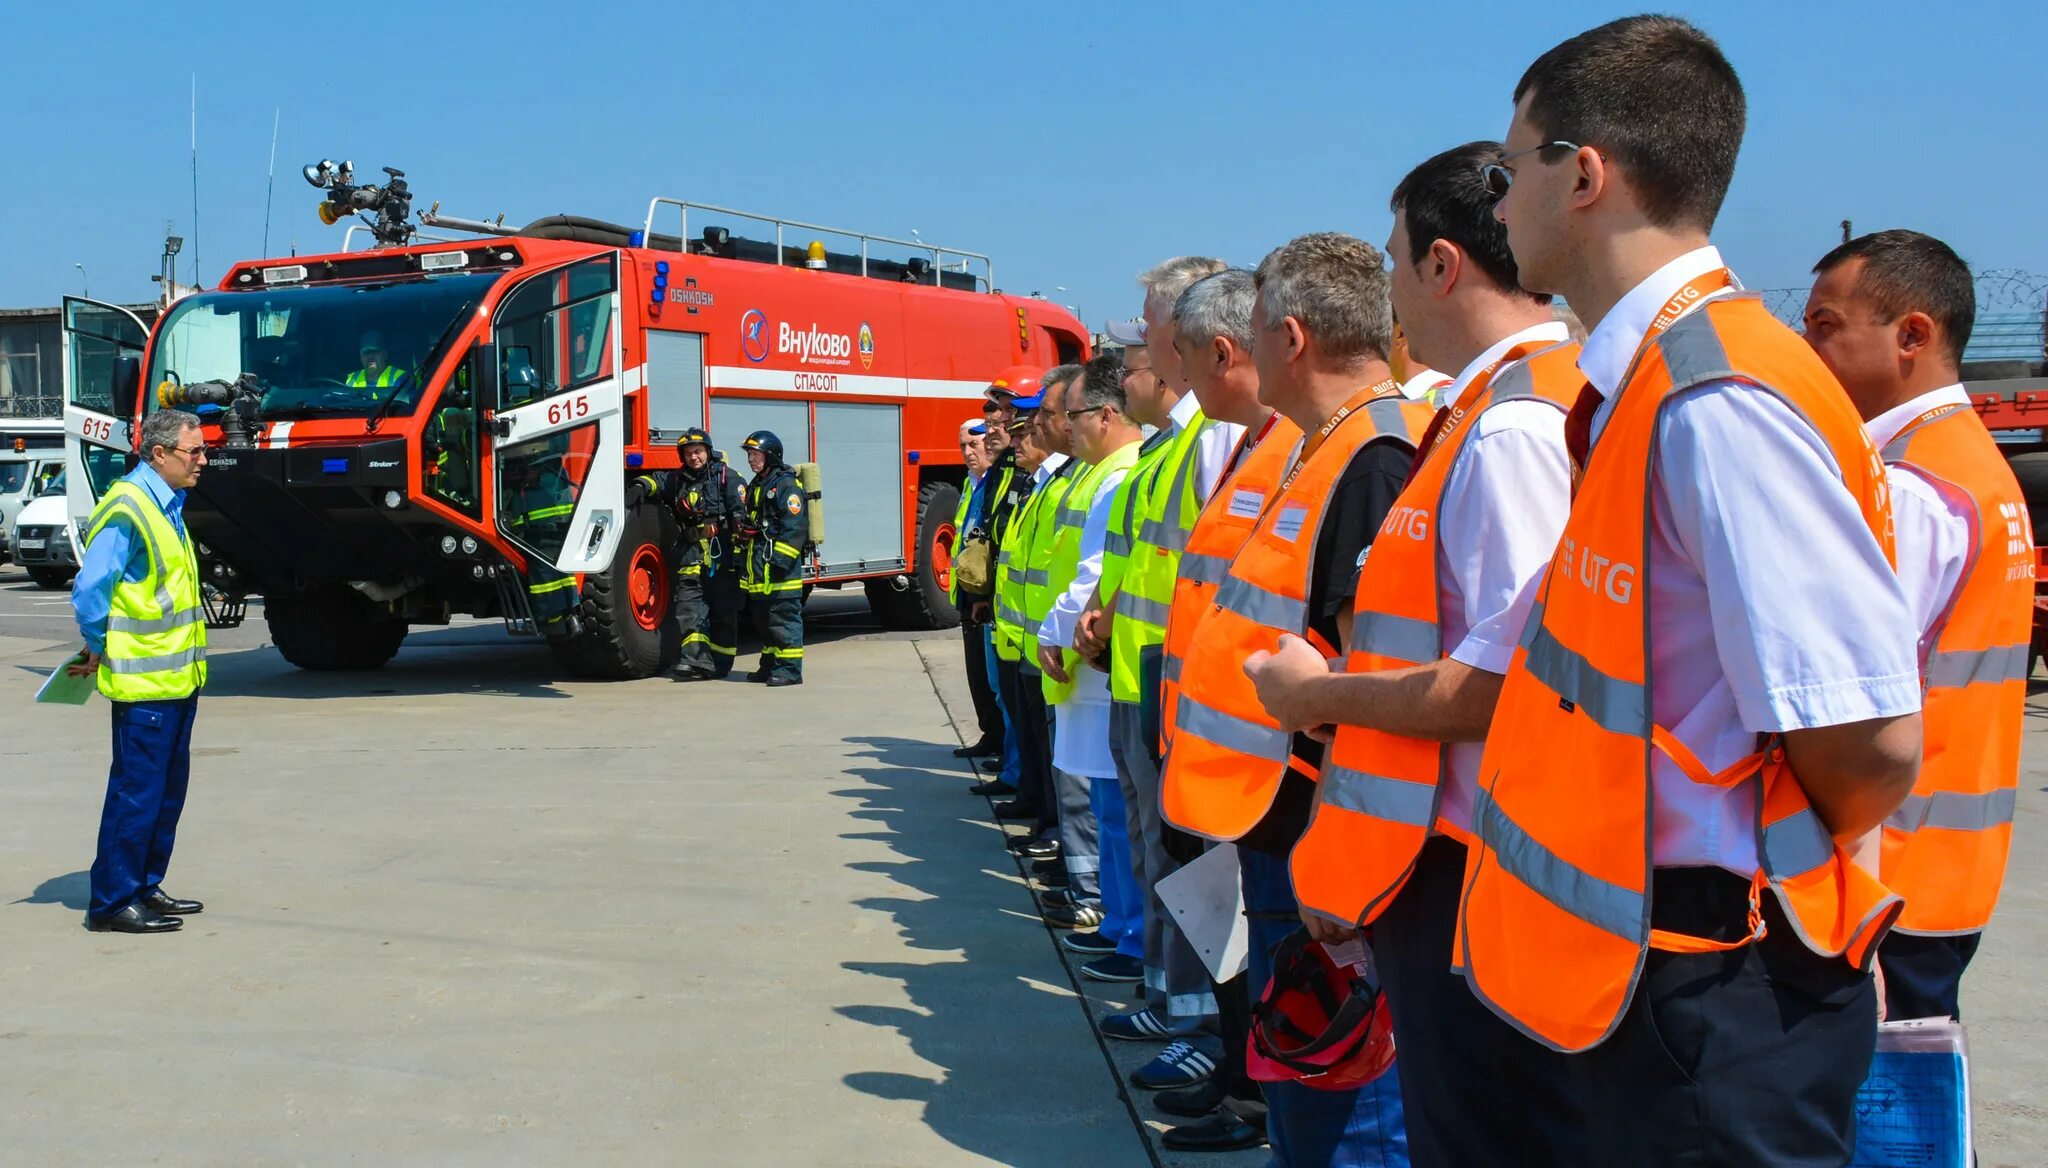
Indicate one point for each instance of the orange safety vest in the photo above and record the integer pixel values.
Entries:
(1380, 791)
(1555, 920)
(1945, 848)
(1220, 531)
(1229, 755)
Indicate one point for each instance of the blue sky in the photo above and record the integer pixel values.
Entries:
(1077, 144)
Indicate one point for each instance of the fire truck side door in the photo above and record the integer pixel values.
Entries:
(558, 434)
(100, 398)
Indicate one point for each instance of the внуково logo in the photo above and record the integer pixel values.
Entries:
(753, 341)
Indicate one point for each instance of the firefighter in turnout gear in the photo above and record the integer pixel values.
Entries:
(537, 515)
(773, 572)
(709, 504)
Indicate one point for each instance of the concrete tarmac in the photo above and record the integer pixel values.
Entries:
(462, 912)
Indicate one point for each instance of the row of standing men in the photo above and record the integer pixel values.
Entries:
(1635, 696)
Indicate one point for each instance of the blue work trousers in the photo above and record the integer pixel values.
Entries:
(1308, 1128)
(1123, 902)
(1012, 758)
(145, 794)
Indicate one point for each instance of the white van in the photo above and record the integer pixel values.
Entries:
(45, 540)
(31, 455)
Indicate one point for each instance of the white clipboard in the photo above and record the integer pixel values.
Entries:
(1206, 898)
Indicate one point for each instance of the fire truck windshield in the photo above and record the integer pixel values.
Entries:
(350, 349)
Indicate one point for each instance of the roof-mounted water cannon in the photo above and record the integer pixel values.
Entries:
(391, 203)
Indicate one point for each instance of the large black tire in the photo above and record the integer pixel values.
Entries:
(617, 641)
(923, 605)
(52, 579)
(332, 627)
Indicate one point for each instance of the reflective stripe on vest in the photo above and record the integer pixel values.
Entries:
(1381, 792)
(156, 630)
(1051, 497)
(1066, 556)
(1945, 849)
(1555, 916)
(1009, 606)
(1164, 515)
(1229, 755)
(1219, 533)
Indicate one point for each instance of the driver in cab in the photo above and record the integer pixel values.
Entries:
(377, 373)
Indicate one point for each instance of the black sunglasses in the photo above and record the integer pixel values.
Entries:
(1499, 178)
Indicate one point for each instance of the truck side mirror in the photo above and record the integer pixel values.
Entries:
(125, 393)
(486, 376)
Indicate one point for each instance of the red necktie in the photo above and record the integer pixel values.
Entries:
(1422, 448)
(1578, 425)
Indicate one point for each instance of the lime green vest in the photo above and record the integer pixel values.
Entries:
(1160, 521)
(1066, 554)
(1123, 523)
(1038, 591)
(156, 626)
(1011, 555)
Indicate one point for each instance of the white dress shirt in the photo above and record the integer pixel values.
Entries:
(1504, 507)
(1081, 723)
(1932, 533)
(1425, 382)
(1771, 604)
(1212, 446)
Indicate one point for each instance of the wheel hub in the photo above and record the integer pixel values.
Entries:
(647, 586)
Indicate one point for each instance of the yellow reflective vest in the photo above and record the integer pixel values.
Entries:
(1065, 561)
(156, 626)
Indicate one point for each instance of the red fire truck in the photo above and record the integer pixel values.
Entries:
(426, 428)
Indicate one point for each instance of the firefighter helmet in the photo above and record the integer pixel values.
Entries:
(694, 436)
(767, 443)
(1016, 381)
(1320, 1024)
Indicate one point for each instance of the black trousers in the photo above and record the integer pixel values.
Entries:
(778, 619)
(1034, 768)
(1037, 722)
(1742, 1058)
(986, 714)
(707, 612)
(1475, 1090)
(1923, 976)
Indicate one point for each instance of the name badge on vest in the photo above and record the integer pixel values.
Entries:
(1287, 524)
(1246, 504)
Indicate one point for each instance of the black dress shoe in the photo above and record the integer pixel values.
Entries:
(1223, 1131)
(1045, 849)
(1194, 1102)
(170, 906)
(1012, 810)
(135, 918)
(778, 680)
(995, 787)
(1017, 843)
(981, 749)
(991, 765)
(758, 675)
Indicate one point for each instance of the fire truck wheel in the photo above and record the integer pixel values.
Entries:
(625, 610)
(332, 627)
(923, 605)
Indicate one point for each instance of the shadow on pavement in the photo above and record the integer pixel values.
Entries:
(968, 1016)
(73, 890)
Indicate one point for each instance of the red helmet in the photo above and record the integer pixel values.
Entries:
(1320, 1024)
(1017, 381)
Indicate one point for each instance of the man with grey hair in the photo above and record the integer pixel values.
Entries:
(138, 607)
(1321, 332)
